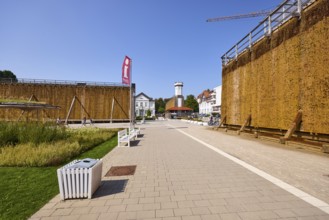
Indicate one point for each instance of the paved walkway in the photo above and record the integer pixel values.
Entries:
(183, 175)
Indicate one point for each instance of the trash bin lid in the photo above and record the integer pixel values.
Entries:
(84, 163)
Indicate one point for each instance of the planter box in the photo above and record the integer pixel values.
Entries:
(80, 178)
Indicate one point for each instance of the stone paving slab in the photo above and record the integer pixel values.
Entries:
(307, 171)
(178, 178)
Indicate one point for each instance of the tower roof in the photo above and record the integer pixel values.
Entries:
(178, 83)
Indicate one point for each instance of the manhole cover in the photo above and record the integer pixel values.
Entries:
(121, 171)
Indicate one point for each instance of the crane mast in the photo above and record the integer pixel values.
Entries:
(249, 15)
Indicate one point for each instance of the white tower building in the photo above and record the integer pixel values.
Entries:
(178, 88)
(179, 93)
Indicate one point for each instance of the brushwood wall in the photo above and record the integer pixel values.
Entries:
(282, 74)
(97, 100)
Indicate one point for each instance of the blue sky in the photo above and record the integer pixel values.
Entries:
(86, 40)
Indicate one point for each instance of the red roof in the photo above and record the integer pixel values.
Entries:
(179, 109)
(205, 93)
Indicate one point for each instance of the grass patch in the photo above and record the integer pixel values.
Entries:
(101, 150)
(24, 190)
(32, 152)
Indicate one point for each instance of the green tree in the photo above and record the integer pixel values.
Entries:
(160, 104)
(161, 110)
(7, 75)
(148, 113)
(192, 103)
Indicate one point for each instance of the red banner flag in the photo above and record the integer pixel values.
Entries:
(126, 68)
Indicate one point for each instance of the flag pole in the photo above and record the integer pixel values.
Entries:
(131, 78)
(127, 80)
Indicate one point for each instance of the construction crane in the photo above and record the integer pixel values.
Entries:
(249, 15)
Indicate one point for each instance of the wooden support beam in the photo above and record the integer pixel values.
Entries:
(23, 111)
(36, 99)
(294, 125)
(75, 98)
(33, 97)
(247, 122)
(112, 109)
(83, 107)
(69, 112)
(222, 122)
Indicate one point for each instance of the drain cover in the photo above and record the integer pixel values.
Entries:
(121, 171)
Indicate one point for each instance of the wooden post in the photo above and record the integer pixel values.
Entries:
(256, 134)
(247, 122)
(293, 127)
(325, 148)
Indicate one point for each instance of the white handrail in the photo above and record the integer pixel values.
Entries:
(285, 11)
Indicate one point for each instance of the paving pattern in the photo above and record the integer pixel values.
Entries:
(177, 178)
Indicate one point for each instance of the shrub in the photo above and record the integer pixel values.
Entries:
(148, 113)
(14, 133)
(45, 145)
(8, 134)
(139, 117)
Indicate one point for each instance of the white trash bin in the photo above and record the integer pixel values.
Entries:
(80, 178)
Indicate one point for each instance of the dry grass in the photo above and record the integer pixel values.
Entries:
(19, 101)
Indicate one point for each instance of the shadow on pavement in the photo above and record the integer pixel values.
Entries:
(134, 143)
(110, 187)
